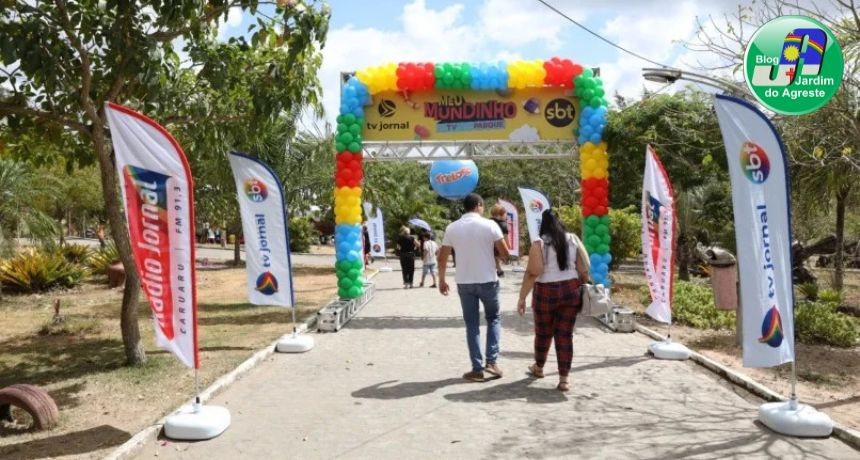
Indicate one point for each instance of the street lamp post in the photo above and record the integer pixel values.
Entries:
(671, 75)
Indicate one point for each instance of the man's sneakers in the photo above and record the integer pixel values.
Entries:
(494, 370)
(474, 376)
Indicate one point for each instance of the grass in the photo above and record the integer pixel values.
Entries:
(80, 360)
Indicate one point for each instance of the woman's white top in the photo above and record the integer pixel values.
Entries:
(551, 272)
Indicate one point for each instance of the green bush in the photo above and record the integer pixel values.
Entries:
(75, 253)
(625, 230)
(693, 305)
(38, 271)
(809, 291)
(830, 295)
(302, 234)
(99, 261)
(820, 323)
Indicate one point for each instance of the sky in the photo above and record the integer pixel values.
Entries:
(364, 34)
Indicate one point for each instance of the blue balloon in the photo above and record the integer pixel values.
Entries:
(454, 179)
(595, 138)
(582, 139)
(353, 256)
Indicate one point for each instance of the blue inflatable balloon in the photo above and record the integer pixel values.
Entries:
(454, 179)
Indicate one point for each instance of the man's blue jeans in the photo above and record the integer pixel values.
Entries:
(487, 294)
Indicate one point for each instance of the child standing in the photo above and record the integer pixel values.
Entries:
(497, 213)
(429, 251)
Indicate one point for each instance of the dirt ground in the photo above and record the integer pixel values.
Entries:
(80, 361)
(828, 377)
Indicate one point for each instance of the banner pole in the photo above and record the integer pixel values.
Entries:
(196, 390)
(295, 329)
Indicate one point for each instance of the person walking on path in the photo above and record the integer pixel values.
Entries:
(407, 246)
(365, 238)
(556, 268)
(474, 237)
(429, 251)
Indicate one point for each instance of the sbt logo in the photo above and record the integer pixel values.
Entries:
(754, 162)
(788, 61)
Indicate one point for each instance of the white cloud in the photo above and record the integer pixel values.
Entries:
(234, 19)
(518, 23)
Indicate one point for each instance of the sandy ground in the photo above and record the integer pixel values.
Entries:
(102, 402)
(389, 386)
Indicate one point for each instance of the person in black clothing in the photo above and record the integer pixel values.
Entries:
(366, 237)
(407, 245)
(497, 213)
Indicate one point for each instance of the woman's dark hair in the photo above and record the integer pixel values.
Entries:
(553, 228)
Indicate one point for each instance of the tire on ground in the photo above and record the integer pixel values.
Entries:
(34, 400)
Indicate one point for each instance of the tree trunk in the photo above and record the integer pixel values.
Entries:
(683, 258)
(838, 258)
(236, 255)
(134, 352)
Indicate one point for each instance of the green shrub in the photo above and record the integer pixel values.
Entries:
(99, 261)
(830, 295)
(625, 230)
(809, 291)
(693, 305)
(75, 253)
(37, 271)
(820, 323)
(302, 234)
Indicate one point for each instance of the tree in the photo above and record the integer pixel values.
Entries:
(19, 188)
(822, 146)
(684, 131)
(64, 59)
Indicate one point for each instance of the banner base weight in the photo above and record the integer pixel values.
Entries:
(669, 350)
(197, 422)
(294, 343)
(803, 421)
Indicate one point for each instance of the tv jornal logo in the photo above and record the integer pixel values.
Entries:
(787, 63)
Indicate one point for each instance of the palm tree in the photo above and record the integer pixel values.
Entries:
(20, 189)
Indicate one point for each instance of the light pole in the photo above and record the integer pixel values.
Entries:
(671, 75)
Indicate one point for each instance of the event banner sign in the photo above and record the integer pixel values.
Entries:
(264, 224)
(157, 193)
(535, 203)
(525, 115)
(512, 217)
(375, 230)
(658, 236)
(760, 197)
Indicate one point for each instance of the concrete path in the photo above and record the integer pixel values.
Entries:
(388, 387)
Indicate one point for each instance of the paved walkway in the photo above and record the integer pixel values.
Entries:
(388, 386)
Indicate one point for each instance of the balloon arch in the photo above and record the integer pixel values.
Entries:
(410, 78)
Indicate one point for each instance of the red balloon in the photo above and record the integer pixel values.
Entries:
(587, 211)
(600, 210)
(590, 202)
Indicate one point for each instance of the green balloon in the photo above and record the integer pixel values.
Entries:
(603, 249)
(592, 220)
(349, 118)
(354, 147)
(606, 239)
(587, 94)
(354, 292)
(604, 219)
(602, 229)
(343, 293)
(594, 102)
(339, 146)
(355, 129)
(358, 283)
(593, 240)
(342, 127)
(342, 265)
(599, 91)
(339, 119)
(354, 273)
(346, 137)
(578, 82)
(587, 73)
(344, 283)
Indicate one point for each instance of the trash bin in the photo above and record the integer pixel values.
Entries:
(724, 278)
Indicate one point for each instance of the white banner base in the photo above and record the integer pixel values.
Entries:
(794, 419)
(294, 343)
(669, 350)
(386, 269)
(197, 422)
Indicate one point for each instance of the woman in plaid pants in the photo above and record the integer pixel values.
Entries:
(557, 265)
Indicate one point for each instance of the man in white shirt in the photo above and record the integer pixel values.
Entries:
(474, 237)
